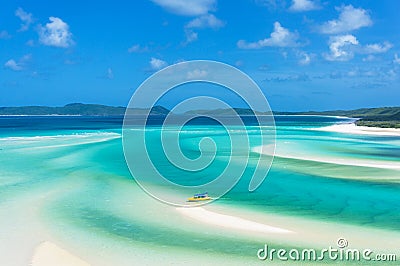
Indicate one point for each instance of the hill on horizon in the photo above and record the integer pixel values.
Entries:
(79, 109)
(365, 114)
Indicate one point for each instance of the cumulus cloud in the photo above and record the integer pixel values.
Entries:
(191, 36)
(56, 33)
(303, 5)
(187, 8)
(11, 64)
(271, 4)
(157, 64)
(195, 8)
(280, 37)
(205, 21)
(137, 48)
(341, 47)
(25, 17)
(4, 34)
(304, 58)
(201, 22)
(350, 19)
(377, 48)
(17, 65)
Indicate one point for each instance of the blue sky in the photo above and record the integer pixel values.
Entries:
(304, 54)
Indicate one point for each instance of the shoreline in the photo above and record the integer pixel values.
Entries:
(331, 116)
(352, 128)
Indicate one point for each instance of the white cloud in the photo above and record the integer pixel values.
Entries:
(303, 5)
(305, 58)
(191, 36)
(196, 74)
(25, 17)
(18, 66)
(396, 59)
(288, 78)
(341, 47)
(280, 37)
(137, 48)
(4, 35)
(110, 74)
(271, 4)
(368, 73)
(377, 48)
(369, 58)
(56, 33)
(187, 8)
(196, 8)
(157, 64)
(350, 19)
(11, 64)
(25, 58)
(205, 21)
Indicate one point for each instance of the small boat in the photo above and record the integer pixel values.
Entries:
(199, 197)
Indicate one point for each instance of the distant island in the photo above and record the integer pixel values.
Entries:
(79, 109)
(385, 117)
(388, 117)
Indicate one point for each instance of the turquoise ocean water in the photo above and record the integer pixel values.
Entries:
(70, 172)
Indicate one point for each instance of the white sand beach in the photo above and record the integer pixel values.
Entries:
(352, 128)
(266, 150)
(232, 222)
(49, 254)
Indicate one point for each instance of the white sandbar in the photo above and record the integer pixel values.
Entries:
(232, 222)
(49, 254)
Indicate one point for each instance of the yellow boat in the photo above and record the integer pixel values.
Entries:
(199, 197)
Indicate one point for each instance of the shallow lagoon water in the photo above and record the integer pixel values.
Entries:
(65, 179)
